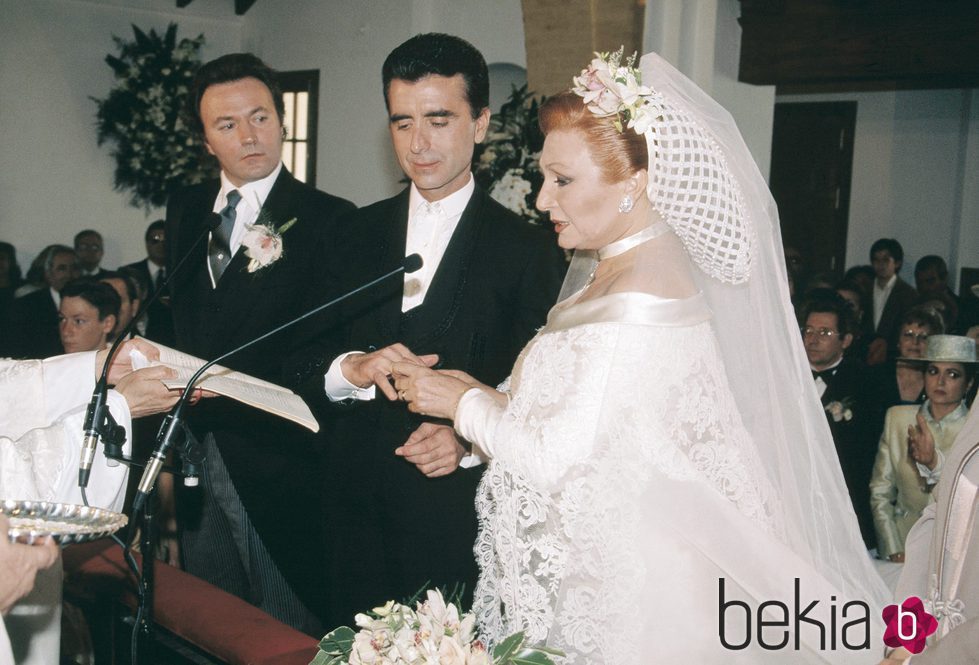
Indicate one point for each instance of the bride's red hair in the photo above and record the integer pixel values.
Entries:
(618, 154)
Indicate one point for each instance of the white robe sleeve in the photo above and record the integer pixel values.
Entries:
(41, 432)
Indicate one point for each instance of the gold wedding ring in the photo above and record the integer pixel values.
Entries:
(401, 396)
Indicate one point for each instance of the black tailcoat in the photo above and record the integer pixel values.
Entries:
(272, 462)
(391, 530)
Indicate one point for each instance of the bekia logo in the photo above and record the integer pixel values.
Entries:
(908, 625)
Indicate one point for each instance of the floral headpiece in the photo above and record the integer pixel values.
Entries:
(610, 88)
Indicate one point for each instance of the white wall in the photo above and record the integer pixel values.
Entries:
(54, 179)
(915, 174)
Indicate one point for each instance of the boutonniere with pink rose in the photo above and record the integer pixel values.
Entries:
(263, 242)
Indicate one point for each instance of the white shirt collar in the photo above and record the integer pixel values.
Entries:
(886, 287)
(254, 193)
(453, 205)
(56, 296)
(833, 366)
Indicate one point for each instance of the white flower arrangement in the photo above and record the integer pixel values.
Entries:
(610, 88)
(434, 633)
(263, 243)
(154, 149)
(506, 162)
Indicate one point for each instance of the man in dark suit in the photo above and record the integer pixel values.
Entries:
(153, 272)
(400, 499)
(892, 296)
(89, 247)
(34, 317)
(262, 266)
(827, 333)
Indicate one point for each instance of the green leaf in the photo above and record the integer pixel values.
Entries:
(531, 656)
(338, 641)
(508, 647)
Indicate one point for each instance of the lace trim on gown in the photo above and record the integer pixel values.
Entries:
(611, 395)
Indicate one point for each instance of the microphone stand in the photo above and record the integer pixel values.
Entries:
(175, 430)
(98, 421)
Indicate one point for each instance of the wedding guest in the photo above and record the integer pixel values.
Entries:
(35, 316)
(89, 248)
(942, 551)
(152, 271)
(87, 315)
(852, 292)
(255, 497)
(892, 296)
(41, 429)
(34, 279)
(129, 301)
(902, 380)
(10, 279)
(908, 462)
(827, 333)
(487, 281)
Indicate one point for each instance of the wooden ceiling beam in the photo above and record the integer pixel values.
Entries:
(920, 45)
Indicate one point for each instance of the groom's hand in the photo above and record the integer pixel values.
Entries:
(366, 369)
(434, 449)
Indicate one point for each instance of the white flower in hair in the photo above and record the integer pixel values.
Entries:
(610, 88)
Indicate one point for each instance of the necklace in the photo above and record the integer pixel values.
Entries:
(623, 245)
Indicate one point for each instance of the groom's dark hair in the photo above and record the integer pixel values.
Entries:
(228, 68)
(439, 54)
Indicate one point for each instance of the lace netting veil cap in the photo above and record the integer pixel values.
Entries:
(657, 453)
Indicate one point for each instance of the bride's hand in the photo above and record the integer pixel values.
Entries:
(429, 392)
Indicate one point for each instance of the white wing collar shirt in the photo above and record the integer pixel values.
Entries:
(253, 195)
(430, 227)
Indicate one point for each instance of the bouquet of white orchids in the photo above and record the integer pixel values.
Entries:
(432, 634)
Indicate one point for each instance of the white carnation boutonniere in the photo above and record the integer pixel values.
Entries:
(840, 410)
(263, 243)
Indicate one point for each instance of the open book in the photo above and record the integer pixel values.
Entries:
(239, 386)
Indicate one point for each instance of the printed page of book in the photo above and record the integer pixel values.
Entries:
(249, 390)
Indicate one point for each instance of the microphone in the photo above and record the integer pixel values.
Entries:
(97, 413)
(173, 423)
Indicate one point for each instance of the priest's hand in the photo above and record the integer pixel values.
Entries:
(122, 363)
(367, 369)
(434, 449)
(145, 393)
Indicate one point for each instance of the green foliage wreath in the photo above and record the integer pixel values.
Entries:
(155, 150)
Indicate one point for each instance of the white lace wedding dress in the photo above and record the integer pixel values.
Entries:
(622, 487)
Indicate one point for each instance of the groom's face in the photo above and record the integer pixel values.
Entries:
(434, 132)
(242, 129)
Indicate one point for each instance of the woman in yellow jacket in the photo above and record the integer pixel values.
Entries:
(915, 439)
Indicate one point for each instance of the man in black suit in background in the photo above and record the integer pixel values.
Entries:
(400, 507)
(153, 272)
(258, 497)
(34, 317)
(827, 333)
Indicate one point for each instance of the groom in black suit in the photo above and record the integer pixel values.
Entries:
(400, 507)
(257, 498)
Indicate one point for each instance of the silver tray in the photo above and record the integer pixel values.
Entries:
(65, 522)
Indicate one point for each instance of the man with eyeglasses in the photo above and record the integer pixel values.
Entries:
(827, 333)
(159, 320)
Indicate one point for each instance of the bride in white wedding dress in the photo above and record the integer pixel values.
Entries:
(662, 484)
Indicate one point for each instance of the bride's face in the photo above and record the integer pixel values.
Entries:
(582, 206)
